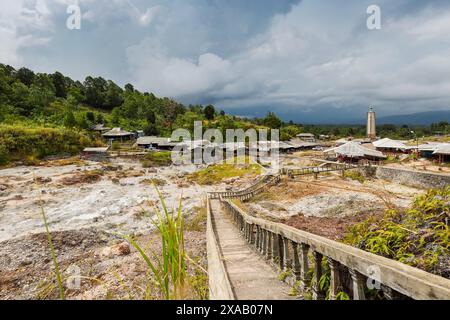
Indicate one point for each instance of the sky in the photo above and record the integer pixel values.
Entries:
(306, 60)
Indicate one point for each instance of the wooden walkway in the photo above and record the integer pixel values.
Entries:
(250, 275)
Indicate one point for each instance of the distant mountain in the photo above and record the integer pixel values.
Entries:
(422, 118)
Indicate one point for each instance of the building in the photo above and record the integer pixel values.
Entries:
(442, 152)
(100, 128)
(153, 142)
(371, 124)
(117, 134)
(353, 151)
(307, 137)
(387, 145)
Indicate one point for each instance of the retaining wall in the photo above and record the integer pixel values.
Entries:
(411, 178)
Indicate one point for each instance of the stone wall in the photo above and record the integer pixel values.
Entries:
(411, 178)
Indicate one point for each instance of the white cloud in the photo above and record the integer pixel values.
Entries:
(21, 23)
(301, 63)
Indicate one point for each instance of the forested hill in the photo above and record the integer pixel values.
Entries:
(38, 108)
(58, 100)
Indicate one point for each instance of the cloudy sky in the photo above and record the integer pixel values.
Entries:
(308, 60)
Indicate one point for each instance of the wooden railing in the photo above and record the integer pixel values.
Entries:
(351, 268)
(248, 193)
(326, 167)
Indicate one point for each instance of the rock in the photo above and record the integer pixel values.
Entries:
(25, 262)
(121, 249)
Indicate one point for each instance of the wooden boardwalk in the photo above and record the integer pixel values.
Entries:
(250, 275)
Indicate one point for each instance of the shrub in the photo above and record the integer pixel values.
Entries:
(21, 142)
(157, 159)
(418, 236)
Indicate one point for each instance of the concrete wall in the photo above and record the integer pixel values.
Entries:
(219, 283)
(411, 178)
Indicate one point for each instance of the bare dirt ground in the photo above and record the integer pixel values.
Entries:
(330, 205)
(89, 205)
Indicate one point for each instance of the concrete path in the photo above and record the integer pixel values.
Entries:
(251, 277)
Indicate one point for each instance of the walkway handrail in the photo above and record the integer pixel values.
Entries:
(326, 167)
(249, 192)
(219, 282)
(289, 247)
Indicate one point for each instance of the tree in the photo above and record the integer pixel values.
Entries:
(151, 117)
(69, 120)
(129, 88)
(59, 83)
(90, 116)
(210, 112)
(95, 91)
(222, 113)
(151, 130)
(272, 121)
(114, 96)
(26, 76)
(100, 119)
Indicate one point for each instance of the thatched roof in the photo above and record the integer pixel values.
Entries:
(355, 150)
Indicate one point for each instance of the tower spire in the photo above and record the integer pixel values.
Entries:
(371, 124)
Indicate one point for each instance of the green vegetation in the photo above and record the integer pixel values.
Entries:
(217, 173)
(169, 269)
(19, 142)
(58, 277)
(54, 101)
(198, 222)
(418, 236)
(355, 175)
(157, 159)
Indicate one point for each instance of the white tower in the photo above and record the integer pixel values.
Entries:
(371, 124)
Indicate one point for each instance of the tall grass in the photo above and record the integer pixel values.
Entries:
(169, 267)
(52, 248)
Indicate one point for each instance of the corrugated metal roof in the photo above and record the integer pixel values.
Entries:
(390, 144)
(443, 149)
(353, 149)
(117, 132)
(152, 140)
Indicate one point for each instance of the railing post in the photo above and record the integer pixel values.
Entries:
(335, 281)
(286, 258)
(304, 266)
(264, 243)
(275, 247)
(269, 245)
(296, 261)
(281, 251)
(358, 285)
(390, 294)
(317, 293)
(252, 236)
(257, 235)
